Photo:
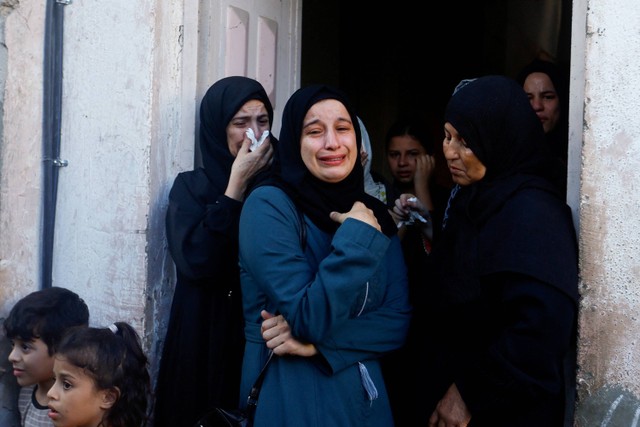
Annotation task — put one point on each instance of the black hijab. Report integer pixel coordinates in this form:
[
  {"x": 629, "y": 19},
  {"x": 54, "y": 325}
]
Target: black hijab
[
  {"x": 221, "y": 102},
  {"x": 494, "y": 117},
  {"x": 314, "y": 197}
]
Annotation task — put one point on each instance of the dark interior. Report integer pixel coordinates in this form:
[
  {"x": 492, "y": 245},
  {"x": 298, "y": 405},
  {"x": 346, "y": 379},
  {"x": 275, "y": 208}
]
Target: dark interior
[{"x": 405, "y": 58}]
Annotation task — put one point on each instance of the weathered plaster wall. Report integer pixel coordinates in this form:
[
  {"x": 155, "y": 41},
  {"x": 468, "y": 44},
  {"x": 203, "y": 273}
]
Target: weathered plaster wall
[
  {"x": 609, "y": 353},
  {"x": 122, "y": 121},
  {"x": 104, "y": 194},
  {"x": 21, "y": 30},
  {"x": 20, "y": 151}
]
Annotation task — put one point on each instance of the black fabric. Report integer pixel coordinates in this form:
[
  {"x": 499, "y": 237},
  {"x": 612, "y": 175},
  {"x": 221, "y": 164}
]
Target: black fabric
[
  {"x": 317, "y": 199},
  {"x": 204, "y": 344},
  {"x": 504, "y": 308}
]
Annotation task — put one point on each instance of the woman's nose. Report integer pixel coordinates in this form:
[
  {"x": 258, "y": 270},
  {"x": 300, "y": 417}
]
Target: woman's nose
[
  {"x": 536, "y": 103},
  {"x": 331, "y": 141},
  {"x": 449, "y": 151}
]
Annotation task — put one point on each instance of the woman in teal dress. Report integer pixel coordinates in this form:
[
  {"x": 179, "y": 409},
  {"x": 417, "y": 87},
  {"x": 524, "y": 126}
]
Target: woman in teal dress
[{"x": 324, "y": 256}]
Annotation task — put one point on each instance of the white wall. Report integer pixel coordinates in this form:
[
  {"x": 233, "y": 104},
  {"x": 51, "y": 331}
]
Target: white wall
[
  {"x": 122, "y": 130},
  {"x": 20, "y": 160},
  {"x": 609, "y": 201}
]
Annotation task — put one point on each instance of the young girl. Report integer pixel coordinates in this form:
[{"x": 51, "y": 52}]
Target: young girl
[{"x": 101, "y": 379}]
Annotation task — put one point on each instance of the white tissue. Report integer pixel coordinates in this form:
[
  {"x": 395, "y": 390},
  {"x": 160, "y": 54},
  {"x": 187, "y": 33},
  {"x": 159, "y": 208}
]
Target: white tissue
[
  {"x": 256, "y": 143},
  {"x": 413, "y": 216}
]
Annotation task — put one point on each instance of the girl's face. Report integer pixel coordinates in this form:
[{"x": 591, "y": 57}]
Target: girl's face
[
  {"x": 31, "y": 362},
  {"x": 74, "y": 400},
  {"x": 253, "y": 114},
  {"x": 464, "y": 166},
  {"x": 328, "y": 143},
  {"x": 402, "y": 154},
  {"x": 544, "y": 99}
]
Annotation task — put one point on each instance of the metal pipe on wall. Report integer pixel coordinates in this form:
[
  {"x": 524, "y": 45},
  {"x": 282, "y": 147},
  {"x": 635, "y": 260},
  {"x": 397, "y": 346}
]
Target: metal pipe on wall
[{"x": 51, "y": 129}]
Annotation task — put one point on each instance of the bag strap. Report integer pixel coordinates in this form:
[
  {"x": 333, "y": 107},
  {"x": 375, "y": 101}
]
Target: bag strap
[{"x": 252, "y": 400}]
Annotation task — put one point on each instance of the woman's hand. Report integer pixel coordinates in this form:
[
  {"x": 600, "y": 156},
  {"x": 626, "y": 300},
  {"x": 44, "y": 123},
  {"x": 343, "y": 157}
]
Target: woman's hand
[
  {"x": 246, "y": 165},
  {"x": 358, "y": 211},
  {"x": 425, "y": 168},
  {"x": 407, "y": 204},
  {"x": 277, "y": 335},
  {"x": 451, "y": 411}
]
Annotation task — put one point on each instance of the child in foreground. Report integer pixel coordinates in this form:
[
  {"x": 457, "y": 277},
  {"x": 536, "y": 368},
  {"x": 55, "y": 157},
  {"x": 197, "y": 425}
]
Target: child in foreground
[
  {"x": 35, "y": 325},
  {"x": 101, "y": 379}
]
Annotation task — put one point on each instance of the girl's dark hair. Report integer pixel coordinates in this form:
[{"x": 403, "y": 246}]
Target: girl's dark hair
[
  {"x": 414, "y": 129},
  {"x": 113, "y": 357}
]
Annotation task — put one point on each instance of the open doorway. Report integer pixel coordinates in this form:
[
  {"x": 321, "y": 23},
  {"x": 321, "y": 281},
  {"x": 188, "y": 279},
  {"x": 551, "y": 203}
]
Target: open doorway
[{"x": 397, "y": 60}]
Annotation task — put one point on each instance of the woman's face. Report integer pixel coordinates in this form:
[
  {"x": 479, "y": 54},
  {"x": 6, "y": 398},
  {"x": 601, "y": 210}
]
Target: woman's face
[
  {"x": 464, "y": 166},
  {"x": 253, "y": 114},
  {"x": 328, "y": 142},
  {"x": 544, "y": 99},
  {"x": 402, "y": 154}
]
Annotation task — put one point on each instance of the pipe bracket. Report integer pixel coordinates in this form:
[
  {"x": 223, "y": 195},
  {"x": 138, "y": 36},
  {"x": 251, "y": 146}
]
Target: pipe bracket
[
  {"x": 64, "y": 2},
  {"x": 61, "y": 163}
]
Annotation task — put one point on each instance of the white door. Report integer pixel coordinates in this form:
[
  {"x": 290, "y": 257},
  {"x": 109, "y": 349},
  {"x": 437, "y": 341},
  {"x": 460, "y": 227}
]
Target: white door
[{"x": 254, "y": 38}]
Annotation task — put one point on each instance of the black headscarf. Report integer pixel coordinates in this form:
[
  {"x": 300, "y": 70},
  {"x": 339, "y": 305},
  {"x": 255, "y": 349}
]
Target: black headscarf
[
  {"x": 221, "y": 102},
  {"x": 494, "y": 117},
  {"x": 314, "y": 197}
]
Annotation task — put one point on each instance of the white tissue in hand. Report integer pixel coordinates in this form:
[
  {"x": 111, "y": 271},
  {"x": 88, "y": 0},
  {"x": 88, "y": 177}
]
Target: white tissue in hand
[
  {"x": 413, "y": 216},
  {"x": 256, "y": 143}
]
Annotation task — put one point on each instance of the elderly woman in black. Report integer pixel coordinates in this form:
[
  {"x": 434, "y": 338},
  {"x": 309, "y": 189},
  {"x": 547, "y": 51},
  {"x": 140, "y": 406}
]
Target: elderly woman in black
[{"x": 506, "y": 300}]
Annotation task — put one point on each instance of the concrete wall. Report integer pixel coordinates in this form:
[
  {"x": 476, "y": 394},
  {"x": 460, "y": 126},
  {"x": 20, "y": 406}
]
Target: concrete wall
[
  {"x": 122, "y": 135},
  {"x": 609, "y": 348}
]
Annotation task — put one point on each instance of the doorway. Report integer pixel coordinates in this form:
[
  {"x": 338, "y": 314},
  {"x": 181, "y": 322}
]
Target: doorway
[{"x": 396, "y": 61}]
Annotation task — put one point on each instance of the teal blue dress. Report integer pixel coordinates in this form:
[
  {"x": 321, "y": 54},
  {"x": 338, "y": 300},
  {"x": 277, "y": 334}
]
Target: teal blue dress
[{"x": 344, "y": 292}]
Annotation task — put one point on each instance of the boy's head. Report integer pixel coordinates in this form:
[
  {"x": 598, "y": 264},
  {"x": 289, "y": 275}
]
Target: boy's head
[{"x": 35, "y": 325}]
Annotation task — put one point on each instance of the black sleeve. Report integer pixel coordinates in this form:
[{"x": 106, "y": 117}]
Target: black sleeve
[{"x": 202, "y": 228}]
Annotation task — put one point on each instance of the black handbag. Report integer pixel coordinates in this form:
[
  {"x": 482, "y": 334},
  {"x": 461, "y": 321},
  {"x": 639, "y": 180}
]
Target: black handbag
[
  {"x": 220, "y": 417},
  {"x": 225, "y": 418}
]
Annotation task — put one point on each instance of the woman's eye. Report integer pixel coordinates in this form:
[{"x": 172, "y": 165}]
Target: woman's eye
[{"x": 66, "y": 385}]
